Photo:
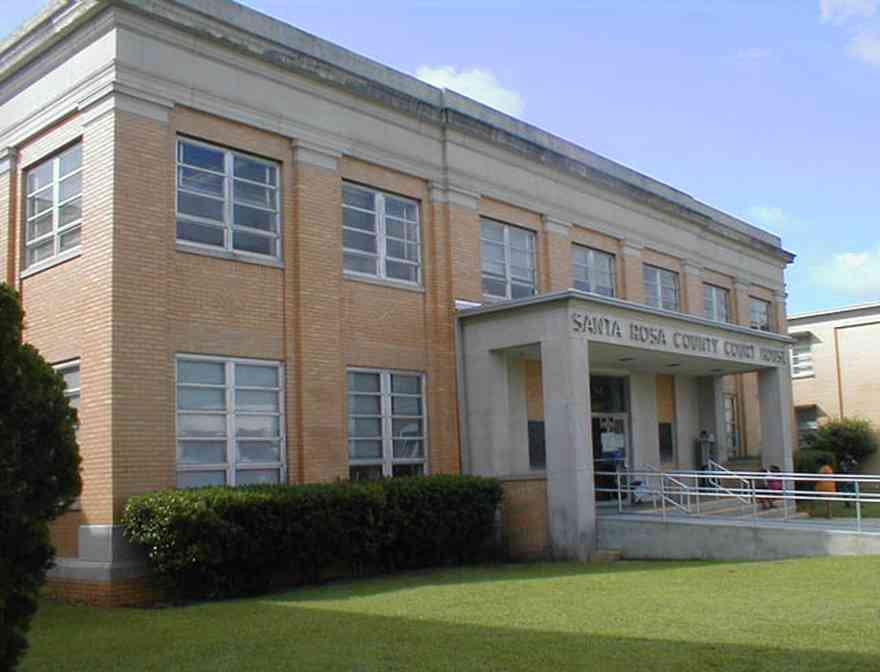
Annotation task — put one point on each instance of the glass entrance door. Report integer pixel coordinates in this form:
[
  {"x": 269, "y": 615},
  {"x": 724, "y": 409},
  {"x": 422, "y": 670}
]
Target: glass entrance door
[{"x": 610, "y": 449}]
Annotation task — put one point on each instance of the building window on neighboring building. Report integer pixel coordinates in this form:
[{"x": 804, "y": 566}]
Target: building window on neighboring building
[
  {"x": 507, "y": 256},
  {"x": 227, "y": 200},
  {"x": 731, "y": 424},
  {"x": 760, "y": 314},
  {"x": 802, "y": 357},
  {"x": 386, "y": 424},
  {"x": 593, "y": 270},
  {"x": 230, "y": 421},
  {"x": 807, "y": 419},
  {"x": 661, "y": 287},
  {"x": 716, "y": 303},
  {"x": 54, "y": 207},
  {"x": 380, "y": 234}
]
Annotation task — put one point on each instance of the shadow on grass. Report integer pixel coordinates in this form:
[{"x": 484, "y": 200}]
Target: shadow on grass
[
  {"x": 257, "y": 636},
  {"x": 475, "y": 574}
]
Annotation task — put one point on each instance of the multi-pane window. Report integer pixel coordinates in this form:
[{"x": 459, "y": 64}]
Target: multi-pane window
[
  {"x": 716, "y": 303},
  {"x": 760, "y": 314},
  {"x": 227, "y": 200},
  {"x": 386, "y": 424},
  {"x": 54, "y": 207},
  {"x": 230, "y": 422},
  {"x": 593, "y": 271},
  {"x": 802, "y": 357},
  {"x": 661, "y": 287},
  {"x": 70, "y": 372},
  {"x": 380, "y": 234},
  {"x": 731, "y": 424},
  {"x": 507, "y": 259}
]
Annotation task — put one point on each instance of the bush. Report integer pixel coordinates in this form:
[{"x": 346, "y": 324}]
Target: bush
[
  {"x": 39, "y": 473},
  {"x": 222, "y": 542},
  {"x": 808, "y": 461},
  {"x": 856, "y": 436}
]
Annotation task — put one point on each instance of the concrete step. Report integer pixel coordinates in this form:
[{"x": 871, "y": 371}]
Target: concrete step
[{"x": 606, "y": 555}]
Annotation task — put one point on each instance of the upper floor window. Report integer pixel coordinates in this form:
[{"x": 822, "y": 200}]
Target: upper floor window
[
  {"x": 386, "y": 424},
  {"x": 507, "y": 260},
  {"x": 802, "y": 357},
  {"x": 230, "y": 421},
  {"x": 760, "y": 314},
  {"x": 661, "y": 287},
  {"x": 227, "y": 200},
  {"x": 716, "y": 304},
  {"x": 593, "y": 270},
  {"x": 380, "y": 234},
  {"x": 54, "y": 207}
]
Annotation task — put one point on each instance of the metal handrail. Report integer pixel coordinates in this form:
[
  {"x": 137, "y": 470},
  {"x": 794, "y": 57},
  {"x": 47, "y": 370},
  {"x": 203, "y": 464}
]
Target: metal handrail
[
  {"x": 751, "y": 493},
  {"x": 719, "y": 467}
]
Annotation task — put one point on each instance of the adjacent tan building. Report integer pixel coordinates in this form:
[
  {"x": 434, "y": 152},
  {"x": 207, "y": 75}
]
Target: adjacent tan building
[
  {"x": 259, "y": 257},
  {"x": 835, "y": 367}
]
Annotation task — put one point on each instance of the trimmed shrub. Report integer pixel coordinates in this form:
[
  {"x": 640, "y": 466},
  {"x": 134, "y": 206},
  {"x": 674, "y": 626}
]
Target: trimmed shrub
[
  {"x": 808, "y": 461},
  {"x": 39, "y": 474},
  {"x": 222, "y": 542},
  {"x": 853, "y": 436}
]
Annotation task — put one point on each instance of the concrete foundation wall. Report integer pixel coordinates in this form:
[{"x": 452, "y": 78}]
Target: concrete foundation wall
[{"x": 641, "y": 539}]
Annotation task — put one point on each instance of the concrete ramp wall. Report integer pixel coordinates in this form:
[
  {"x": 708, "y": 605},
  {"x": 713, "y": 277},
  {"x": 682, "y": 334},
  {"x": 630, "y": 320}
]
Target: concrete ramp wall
[{"x": 649, "y": 538}]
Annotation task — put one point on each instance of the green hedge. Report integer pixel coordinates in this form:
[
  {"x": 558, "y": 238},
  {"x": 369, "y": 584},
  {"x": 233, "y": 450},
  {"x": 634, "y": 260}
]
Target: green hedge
[{"x": 221, "y": 542}]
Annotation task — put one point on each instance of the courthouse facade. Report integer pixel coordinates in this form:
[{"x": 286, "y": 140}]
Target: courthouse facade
[{"x": 258, "y": 257}]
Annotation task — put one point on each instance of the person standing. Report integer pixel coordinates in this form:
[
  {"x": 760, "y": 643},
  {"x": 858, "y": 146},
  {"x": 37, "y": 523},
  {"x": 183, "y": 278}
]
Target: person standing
[
  {"x": 827, "y": 488},
  {"x": 848, "y": 467}
]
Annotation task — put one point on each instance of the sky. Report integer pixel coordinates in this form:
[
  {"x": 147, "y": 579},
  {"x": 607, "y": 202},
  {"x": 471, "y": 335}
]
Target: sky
[{"x": 766, "y": 109}]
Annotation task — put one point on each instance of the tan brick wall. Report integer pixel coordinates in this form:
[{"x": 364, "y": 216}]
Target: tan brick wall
[
  {"x": 64, "y": 533},
  {"x": 7, "y": 225},
  {"x": 534, "y": 390},
  {"x": 124, "y": 593},
  {"x": 464, "y": 227},
  {"x": 631, "y": 279},
  {"x": 555, "y": 260},
  {"x": 525, "y": 527}
]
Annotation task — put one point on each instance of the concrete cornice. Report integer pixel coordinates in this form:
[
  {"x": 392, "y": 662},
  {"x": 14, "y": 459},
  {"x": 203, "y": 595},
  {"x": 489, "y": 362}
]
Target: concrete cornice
[
  {"x": 692, "y": 267},
  {"x": 455, "y": 195},
  {"x": 557, "y": 226},
  {"x": 116, "y": 97},
  {"x": 8, "y": 156},
  {"x": 316, "y": 154},
  {"x": 279, "y": 45}
]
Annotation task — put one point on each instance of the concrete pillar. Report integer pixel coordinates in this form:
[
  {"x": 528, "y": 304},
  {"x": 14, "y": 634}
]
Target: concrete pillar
[
  {"x": 556, "y": 246},
  {"x": 570, "y": 488},
  {"x": 774, "y": 392},
  {"x": 518, "y": 421},
  {"x": 645, "y": 443},
  {"x": 687, "y": 420},
  {"x": 711, "y": 413},
  {"x": 633, "y": 282},
  {"x": 488, "y": 413}
]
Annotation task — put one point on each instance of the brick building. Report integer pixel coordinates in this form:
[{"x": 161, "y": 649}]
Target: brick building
[
  {"x": 259, "y": 257},
  {"x": 835, "y": 367}
]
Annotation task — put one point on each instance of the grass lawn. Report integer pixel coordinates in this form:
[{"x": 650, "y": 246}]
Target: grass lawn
[{"x": 815, "y": 614}]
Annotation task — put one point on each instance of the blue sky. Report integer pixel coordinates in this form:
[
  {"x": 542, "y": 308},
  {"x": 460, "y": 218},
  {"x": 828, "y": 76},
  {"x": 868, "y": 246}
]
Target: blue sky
[{"x": 767, "y": 109}]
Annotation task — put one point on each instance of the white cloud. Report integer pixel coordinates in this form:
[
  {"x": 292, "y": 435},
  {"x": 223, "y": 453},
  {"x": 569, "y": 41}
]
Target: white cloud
[
  {"x": 855, "y": 273},
  {"x": 770, "y": 217},
  {"x": 866, "y": 47},
  {"x": 477, "y": 83},
  {"x": 840, "y": 11}
]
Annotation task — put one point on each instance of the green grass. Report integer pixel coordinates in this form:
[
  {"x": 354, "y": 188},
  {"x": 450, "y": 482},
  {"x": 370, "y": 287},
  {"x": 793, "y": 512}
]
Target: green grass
[{"x": 816, "y": 614}]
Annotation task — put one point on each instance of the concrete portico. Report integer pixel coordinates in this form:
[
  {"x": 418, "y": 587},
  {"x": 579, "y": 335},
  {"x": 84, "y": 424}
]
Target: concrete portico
[{"x": 579, "y": 338}]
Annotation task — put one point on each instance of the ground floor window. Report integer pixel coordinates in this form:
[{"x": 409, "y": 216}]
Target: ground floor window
[
  {"x": 230, "y": 421},
  {"x": 386, "y": 424},
  {"x": 731, "y": 424},
  {"x": 807, "y": 418}
]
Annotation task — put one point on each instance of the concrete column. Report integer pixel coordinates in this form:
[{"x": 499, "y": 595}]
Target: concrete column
[
  {"x": 570, "y": 489},
  {"x": 633, "y": 282},
  {"x": 7, "y": 215},
  {"x": 556, "y": 256},
  {"x": 774, "y": 392},
  {"x": 645, "y": 443},
  {"x": 518, "y": 422},
  {"x": 692, "y": 288},
  {"x": 687, "y": 420},
  {"x": 488, "y": 413},
  {"x": 711, "y": 413}
]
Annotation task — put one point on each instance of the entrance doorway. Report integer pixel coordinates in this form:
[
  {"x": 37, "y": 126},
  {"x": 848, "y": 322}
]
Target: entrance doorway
[{"x": 610, "y": 427}]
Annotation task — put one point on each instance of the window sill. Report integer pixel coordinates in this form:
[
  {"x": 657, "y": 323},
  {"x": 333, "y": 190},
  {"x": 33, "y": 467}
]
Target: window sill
[
  {"x": 383, "y": 282},
  {"x": 228, "y": 255},
  {"x": 801, "y": 376},
  {"x": 50, "y": 263}
]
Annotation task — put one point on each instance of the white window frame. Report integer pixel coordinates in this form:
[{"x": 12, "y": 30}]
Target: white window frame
[
  {"x": 382, "y": 236},
  {"x": 231, "y": 465},
  {"x": 70, "y": 393},
  {"x": 753, "y": 323},
  {"x": 657, "y": 300},
  {"x": 57, "y": 231},
  {"x": 711, "y": 295},
  {"x": 802, "y": 357},
  {"x": 229, "y": 227},
  {"x": 509, "y": 279},
  {"x": 388, "y": 461},
  {"x": 591, "y": 269}
]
